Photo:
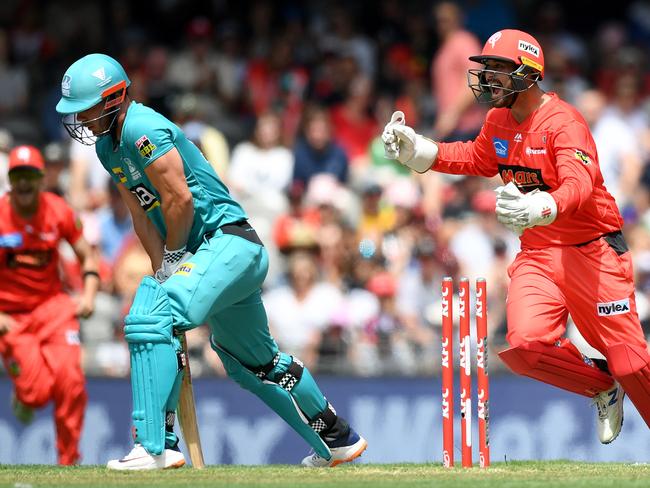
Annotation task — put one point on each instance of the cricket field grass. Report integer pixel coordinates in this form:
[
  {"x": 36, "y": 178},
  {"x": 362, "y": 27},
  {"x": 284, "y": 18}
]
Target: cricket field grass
[{"x": 501, "y": 475}]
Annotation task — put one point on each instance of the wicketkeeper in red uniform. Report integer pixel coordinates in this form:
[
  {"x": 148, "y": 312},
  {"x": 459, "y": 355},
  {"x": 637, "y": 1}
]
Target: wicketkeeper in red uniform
[
  {"x": 573, "y": 259},
  {"x": 39, "y": 330}
]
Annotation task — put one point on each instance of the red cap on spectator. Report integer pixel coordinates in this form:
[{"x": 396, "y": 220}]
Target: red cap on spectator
[
  {"x": 26, "y": 157},
  {"x": 484, "y": 201},
  {"x": 199, "y": 28},
  {"x": 382, "y": 284}
]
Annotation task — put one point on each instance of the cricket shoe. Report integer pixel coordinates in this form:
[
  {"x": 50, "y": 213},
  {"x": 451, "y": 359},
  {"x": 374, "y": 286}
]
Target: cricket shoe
[
  {"x": 23, "y": 413},
  {"x": 343, "y": 450},
  {"x": 609, "y": 404},
  {"x": 140, "y": 459}
]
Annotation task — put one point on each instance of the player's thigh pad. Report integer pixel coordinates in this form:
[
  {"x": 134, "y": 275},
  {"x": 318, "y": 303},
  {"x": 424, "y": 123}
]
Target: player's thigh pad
[
  {"x": 154, "y": 364},
  {"x": 225, "y": 270},
  {"x": 287, "y": 397},
  {"x": 559, "y": 364}
]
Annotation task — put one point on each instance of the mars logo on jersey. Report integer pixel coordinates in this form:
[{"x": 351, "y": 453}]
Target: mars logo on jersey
[
  {"x": 145, "y": 147},
  {"x": 526, "y": 179},
  {"x": 500, "y": 147}
]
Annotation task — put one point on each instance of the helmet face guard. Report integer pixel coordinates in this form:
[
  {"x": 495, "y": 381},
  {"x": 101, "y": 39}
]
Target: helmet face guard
[
  {"x": 79, "y": 131},
  {"x": 521, "y": 79}
]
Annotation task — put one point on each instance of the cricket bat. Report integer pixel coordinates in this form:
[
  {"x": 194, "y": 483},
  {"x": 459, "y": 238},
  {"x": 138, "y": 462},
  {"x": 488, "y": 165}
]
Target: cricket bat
[{"x": 187, "y": 412}]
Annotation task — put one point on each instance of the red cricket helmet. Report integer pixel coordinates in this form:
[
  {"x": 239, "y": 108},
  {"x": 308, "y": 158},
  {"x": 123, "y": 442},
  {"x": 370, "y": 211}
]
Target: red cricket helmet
[
  {"x": 515, "y": 46},
  {"x": 512, "y": 46},
  {"x": 26, "y": 157}
]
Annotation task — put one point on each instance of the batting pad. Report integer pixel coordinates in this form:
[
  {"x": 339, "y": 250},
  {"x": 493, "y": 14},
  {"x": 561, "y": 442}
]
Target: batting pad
[
  {"x": 630, "y": 365},
  {"x": 558, "y": 365},
  {"x": 154, "y": 366},
  {"x": 287, "y": 404}
]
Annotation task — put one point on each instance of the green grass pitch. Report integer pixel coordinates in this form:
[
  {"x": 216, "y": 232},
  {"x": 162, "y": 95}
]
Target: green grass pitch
[{"x": 501, "y": 475}]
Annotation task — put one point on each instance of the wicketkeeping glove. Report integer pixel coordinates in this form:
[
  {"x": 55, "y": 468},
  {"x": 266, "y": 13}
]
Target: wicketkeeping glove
[
  {"x": 403, "y": 144},
  {"x": 171, "y": 261},
  {"x": 519, "y": 211}
]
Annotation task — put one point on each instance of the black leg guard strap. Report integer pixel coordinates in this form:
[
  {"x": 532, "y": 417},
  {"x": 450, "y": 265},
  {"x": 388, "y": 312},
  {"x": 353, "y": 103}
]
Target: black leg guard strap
[
  {"x": 324, "y": 421},
  {"x": 292, "y": 376},
  {"x": 262, "y": 371}
]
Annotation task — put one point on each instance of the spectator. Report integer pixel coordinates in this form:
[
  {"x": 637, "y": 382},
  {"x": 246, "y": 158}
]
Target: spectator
[
  {"x": 300, "y": 310},
  {"x": 354, "y": 127},
  {"x": 259, "y": 174},
  {"x": 618, "y": 152},
  {"x": 458, "y": 117},
  {"x": 315, "y": 152}
]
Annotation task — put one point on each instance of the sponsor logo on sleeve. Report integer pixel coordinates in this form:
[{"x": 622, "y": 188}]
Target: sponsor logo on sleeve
[
  {"x": 582, "y": 157},
  {"x": 618, "y": 307},
  {"x": 500, "y": 147},
  {"x": 135, "y": 173},
  {"x": 145, "y": 147},
  {"x": 119, "y": 172},
  {"x": 148, "y": 201}
]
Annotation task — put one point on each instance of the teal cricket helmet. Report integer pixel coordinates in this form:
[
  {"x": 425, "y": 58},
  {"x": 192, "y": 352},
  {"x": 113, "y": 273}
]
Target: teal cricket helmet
[{"x": 87, "y": 82}]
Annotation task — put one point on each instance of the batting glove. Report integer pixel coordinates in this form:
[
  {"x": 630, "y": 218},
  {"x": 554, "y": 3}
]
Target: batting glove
[
  {"x": 519, "y": 211},
  {"x": 403, "y": 144},
  {"x": 170, "y": 263}
]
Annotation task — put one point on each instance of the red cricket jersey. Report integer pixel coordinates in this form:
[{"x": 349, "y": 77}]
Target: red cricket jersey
[
  {"x": 29, "y": 256},
  {"x": 551, "y": 150}
]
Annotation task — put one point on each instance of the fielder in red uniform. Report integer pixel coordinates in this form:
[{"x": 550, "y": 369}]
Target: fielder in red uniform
[
  {"x": 574, "y": 259},
  {"x": 39, "y": 330}
]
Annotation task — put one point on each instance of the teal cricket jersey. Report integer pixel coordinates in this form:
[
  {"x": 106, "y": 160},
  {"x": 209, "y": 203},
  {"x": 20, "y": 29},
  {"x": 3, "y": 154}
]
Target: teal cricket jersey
[{"x": 147, "y": 135}]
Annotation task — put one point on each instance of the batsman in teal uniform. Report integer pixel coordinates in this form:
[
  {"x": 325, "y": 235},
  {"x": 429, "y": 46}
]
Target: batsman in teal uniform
[{"x": 209, "y": 265}]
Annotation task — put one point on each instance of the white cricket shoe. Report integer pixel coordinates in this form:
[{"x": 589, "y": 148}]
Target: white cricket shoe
[
  {"x": 609, "y": 404},
  {"x": 139, "y": 459},
  {"x": 353, "y": 447}
]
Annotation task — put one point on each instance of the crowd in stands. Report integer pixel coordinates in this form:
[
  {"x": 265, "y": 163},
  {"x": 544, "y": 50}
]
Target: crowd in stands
[{"x": 287, "y": 101}]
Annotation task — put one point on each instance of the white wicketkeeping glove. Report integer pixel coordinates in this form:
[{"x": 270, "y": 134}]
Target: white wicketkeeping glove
[
  {"x": 519, "y": 211},
  {"x": 170, "y": 263},
  {"x": 411, "y": 149}
]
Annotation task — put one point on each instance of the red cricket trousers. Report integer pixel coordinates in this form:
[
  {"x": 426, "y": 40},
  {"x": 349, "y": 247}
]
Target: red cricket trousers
[
  {"x": 42, "y": 355},
  {"x": 591, "y": 282}
]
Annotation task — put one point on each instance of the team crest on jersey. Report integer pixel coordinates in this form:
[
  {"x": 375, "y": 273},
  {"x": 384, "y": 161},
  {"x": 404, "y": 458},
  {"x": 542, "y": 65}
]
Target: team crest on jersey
[
  {"x": 582, "y": 157},
  {"x": 145, "y": 147},
  {"x": 500, "y": 147},
  {"x": 119, "y": 172}
]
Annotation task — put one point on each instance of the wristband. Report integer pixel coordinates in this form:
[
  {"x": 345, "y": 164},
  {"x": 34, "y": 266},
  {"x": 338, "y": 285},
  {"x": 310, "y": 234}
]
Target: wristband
[{"x": 90, "y": 273}]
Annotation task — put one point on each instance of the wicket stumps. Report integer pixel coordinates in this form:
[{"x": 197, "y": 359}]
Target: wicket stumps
[{"x": 465, "y": 372}]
